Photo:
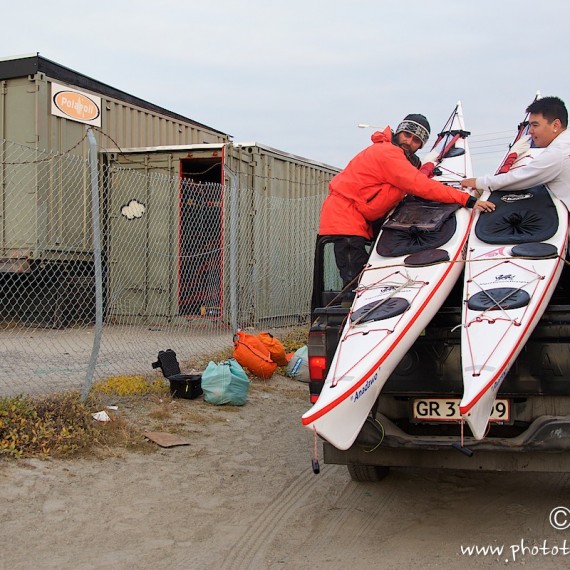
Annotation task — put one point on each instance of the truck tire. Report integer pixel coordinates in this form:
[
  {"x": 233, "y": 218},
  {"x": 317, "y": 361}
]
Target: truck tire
[{"x": 365, "y": 473}]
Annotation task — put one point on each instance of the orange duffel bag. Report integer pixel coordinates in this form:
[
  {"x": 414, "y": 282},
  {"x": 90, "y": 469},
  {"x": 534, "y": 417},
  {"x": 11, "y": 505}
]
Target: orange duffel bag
[
  {"x": 276, "y": 349},
  {"x": 251, "y": 353}
]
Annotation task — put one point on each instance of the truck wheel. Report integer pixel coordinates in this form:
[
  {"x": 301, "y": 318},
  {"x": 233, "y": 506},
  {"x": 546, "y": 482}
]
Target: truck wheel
[{"x": 367, "y": 472}]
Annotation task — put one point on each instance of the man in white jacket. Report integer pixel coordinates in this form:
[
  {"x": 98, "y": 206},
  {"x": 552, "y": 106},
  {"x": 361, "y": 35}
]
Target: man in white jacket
[{"x": 548, "y": 121}]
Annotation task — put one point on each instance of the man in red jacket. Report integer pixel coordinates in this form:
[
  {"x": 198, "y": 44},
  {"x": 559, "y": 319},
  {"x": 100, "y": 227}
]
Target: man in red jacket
[{"x": 373, "y": 183}]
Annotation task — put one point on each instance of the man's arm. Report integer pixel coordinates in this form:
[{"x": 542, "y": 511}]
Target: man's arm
[{"x": 541, "y": 170}]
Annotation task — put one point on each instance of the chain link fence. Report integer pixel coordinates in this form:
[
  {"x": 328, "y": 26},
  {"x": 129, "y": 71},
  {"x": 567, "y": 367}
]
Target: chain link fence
[{"x": 160, "y": 262}]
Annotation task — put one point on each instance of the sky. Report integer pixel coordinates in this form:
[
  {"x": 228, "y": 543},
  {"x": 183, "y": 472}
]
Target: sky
[{"x": 300, "y": 75}]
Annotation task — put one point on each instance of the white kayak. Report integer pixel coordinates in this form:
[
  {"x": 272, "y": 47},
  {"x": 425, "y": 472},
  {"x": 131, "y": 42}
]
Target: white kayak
[
  {"x": 514, "y": 260},
  {"x": 413, "y": 266}
]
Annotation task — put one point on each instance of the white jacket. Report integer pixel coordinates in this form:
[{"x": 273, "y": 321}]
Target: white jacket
[{"x": 551, "y": 167}]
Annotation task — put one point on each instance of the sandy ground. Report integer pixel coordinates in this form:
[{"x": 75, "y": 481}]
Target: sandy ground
[{"x": 243, "y": 495}]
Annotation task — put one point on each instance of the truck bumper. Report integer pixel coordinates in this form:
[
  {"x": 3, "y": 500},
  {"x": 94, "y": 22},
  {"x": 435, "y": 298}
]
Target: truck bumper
[{"x": 544, "y": 446}]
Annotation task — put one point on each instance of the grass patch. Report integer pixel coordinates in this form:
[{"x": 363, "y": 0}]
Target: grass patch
[
  {"x": 56, "y": 425},
  {"x": 129, "y": 386},
  {"x": 62, "y": 424}
]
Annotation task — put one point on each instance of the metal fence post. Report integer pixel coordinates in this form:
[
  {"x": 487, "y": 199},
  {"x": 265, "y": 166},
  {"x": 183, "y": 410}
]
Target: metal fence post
[
  {"x": 233, "y": 215},
  {"x": 94, "y": 178}
]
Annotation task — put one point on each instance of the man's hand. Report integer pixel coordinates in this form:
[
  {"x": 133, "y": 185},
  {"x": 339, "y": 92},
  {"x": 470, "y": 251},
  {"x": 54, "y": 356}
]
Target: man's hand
[
  {"x": 484, "y": 206},
  {"x": 469, "y": 183}
]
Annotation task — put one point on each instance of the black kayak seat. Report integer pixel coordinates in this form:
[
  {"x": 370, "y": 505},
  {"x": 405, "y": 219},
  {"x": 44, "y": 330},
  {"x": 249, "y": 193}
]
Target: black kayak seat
[
  {"x": 538, "y": 250},
  {"x": 498, "y": 298},
  {"x": 520, "y": 217},
  {"x": 378, "y": 311},
  {"x": 428, "y": 257}
]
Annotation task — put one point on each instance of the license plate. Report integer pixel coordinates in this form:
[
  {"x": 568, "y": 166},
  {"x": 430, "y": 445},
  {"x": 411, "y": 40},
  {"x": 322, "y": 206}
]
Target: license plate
[{"x": 447, "y": 410}]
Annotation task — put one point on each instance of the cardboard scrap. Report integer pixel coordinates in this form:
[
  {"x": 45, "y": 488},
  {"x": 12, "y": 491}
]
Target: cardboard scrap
[
  {"x": 101, "y": 417},
  {"x": 166, "y": 439}
]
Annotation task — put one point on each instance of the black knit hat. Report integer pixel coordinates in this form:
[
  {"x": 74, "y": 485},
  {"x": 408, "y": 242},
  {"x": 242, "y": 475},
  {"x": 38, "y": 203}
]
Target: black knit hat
[{"x": 416, "y": 125}]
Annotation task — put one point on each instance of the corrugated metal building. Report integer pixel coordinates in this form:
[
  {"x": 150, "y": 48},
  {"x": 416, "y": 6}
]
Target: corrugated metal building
[
  {"x": 45, "y": 200},
  {"x": 245, "y": 241}
]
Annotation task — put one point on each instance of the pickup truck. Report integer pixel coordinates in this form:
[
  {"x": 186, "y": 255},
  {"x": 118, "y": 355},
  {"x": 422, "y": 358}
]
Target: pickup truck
[{"x": 415, "y": 421}]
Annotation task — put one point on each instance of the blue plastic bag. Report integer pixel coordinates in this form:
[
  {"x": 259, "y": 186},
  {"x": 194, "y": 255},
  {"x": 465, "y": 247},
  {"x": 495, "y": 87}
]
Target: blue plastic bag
[
  {"x": 225, "y": 383},
  {"x": 298, "y": 366}
]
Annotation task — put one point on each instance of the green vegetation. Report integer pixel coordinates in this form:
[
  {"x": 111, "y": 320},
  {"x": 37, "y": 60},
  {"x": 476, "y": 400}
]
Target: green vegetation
[
  {"x": 56, "y": 425},
  {"x": 129, "y": 386}
]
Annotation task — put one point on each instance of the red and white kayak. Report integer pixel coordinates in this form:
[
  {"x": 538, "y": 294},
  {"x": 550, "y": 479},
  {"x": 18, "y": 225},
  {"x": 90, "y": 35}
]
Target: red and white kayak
[
  {"x": 413, "y": 266},
  {"x": 514, "y": 260}
]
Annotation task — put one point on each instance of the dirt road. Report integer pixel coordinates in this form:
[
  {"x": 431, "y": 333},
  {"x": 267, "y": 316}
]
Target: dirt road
[{"x": 243, "y": 495}]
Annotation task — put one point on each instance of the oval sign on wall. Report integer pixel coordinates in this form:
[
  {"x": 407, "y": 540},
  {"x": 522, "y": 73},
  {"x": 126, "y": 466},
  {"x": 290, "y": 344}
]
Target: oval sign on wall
[{"x": 75, "y": 105}]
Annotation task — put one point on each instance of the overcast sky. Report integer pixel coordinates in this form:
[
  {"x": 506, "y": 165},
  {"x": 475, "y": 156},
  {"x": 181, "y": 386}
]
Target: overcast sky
[{"x": 299, "y": 75}]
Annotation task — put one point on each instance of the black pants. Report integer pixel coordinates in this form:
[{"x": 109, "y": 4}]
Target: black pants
[{"x": 350, "y": 256}]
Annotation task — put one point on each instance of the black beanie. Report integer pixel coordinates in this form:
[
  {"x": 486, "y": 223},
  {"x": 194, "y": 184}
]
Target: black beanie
[{"x": 417, "y": 125}]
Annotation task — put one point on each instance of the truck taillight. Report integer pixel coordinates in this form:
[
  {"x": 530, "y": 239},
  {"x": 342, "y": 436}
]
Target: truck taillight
[
  {"x": 317, "y": 367},
  {"x": 317, "y": 363}
]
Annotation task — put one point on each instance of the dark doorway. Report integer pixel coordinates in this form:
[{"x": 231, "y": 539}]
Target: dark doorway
[{"x": 201, "y": 238}]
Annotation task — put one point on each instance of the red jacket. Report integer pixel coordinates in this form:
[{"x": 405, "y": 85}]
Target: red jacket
[{"x": 373, "y": 182}]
